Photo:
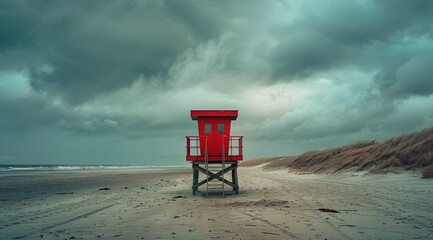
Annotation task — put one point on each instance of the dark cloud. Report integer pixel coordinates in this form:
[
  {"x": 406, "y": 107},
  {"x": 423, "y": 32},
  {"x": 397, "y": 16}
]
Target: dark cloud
[
  {"x": 305, "y": 53},
  {"x": 413, "y": 78},
  {"x": 84, "y": 48},
  {"x": 360, "y": 22},
  {"x": 329, "y": 36},
  {"x": 25, "y": 114},
  {"x": 203, "y": 19},
  {"x": 78, "y": 50}
]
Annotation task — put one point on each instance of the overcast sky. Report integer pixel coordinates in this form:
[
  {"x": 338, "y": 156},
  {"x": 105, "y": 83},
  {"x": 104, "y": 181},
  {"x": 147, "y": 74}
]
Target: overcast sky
[{"x": 112, "y": 82}]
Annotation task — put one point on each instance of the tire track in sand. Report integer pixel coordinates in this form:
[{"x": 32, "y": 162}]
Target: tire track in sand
[
  {"x": 78, "y": 217},
  {"x": 267, "y": 222}
]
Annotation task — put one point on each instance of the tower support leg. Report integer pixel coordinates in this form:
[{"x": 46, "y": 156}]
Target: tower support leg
[
  {"x": 194, "y": 180},
  {"x": 235, "y": 178}
]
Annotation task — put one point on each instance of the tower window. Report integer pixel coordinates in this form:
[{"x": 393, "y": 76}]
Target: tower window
[
  {"x": 207, "y": 128},
  {"x": 220, "y": 127}
]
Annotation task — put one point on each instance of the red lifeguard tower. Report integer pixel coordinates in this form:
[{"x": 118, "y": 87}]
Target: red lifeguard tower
[{"x": 214, "y": 149}]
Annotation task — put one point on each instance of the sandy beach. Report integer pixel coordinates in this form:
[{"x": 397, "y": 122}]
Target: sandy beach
[{"x": 158, "y": 204}]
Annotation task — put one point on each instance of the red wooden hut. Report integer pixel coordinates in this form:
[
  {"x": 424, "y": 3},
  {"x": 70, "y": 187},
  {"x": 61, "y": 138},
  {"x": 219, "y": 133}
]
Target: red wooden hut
[{"x": 214, "y": 151}]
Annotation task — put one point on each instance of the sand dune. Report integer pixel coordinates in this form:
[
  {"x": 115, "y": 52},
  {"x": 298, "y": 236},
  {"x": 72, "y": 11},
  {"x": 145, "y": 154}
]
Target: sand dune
[
  {"x": 271, "y": 205},
  {"x": 406, "y": 152}
]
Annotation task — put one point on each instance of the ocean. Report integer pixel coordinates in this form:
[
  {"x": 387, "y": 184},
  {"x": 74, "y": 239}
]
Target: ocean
[{"x": 17, "y": 170}]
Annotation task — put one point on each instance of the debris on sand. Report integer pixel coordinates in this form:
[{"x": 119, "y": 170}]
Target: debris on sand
[
  {"x": 19, "y": 237},
  {"x": 179, "y": 196},
  {"x": 328, "y": 210},
  {"x": 104, "y": 189}
]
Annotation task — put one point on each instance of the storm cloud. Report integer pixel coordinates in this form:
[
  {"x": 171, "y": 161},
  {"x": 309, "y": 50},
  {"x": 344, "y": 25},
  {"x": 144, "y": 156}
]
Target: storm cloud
[{"x": 115, "y": 80}]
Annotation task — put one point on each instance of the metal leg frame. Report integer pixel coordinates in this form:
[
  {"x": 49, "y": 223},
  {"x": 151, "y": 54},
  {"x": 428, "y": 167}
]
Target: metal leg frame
[
  {"x": 235, "y": 180},
  {"x": 195, "y": 173},
  {"x": 194, "y": 180}
]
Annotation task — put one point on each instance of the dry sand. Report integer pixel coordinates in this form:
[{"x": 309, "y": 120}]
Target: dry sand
[{"x": 157, "y": 204}]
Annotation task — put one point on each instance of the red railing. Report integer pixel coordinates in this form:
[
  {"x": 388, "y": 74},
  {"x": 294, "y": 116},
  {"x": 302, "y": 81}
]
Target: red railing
[{"x": 197, "y": 147}]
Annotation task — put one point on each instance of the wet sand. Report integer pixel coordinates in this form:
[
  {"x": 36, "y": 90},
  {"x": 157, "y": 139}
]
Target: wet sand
[{"x": 157, "y": 204}]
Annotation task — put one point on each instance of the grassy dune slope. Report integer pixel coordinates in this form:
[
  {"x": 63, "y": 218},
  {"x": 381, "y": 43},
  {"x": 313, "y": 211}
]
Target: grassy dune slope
[{"x": 410, "y": 151}]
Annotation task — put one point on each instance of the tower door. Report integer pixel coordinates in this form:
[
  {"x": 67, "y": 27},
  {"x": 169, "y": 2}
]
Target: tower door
[{"x": 216, "y": 131}]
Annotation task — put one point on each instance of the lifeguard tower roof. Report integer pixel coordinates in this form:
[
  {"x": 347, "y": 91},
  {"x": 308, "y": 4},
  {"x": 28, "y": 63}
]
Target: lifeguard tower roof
[{"x": 233, "y": 114}]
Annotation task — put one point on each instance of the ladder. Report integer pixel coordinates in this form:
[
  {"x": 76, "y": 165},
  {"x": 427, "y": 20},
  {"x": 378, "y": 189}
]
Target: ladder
[{"x": 215, "y": 168}]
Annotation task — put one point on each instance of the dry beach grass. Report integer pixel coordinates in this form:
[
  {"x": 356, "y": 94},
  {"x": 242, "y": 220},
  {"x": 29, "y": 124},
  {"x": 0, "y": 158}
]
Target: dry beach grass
[{"x": 406, "y": 152}]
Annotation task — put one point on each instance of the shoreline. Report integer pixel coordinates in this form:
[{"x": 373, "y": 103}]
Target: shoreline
[{"x": 88, "y": 169}]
